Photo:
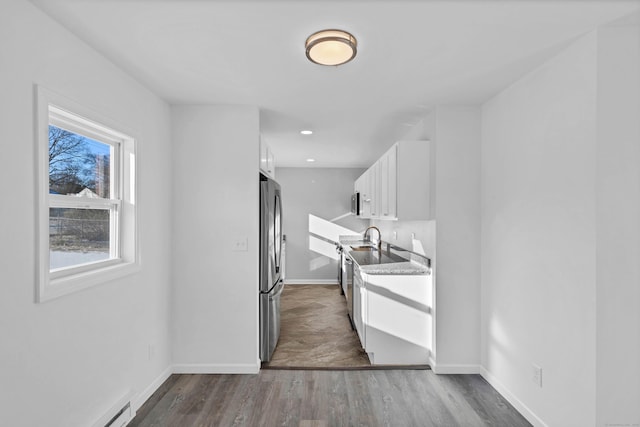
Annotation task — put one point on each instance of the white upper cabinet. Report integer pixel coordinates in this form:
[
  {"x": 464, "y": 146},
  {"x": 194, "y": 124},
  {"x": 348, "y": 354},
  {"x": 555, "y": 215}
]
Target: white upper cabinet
[
  {"x": 358, "y": 187},
  {"x": 388, "y": 181},
  {"x": 363, "y": 186},
  {"x": 267, "y": 161},
  {"x": 374, "y": 189},
  {"x": 413, "y": 174},
  {"x": 397, "y": 186}
]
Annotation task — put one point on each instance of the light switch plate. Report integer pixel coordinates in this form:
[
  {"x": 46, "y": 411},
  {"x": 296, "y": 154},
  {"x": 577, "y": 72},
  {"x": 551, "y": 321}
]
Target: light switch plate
[
  {"x": 240, "y": 244},
  {"x": 536, "y": 375}
]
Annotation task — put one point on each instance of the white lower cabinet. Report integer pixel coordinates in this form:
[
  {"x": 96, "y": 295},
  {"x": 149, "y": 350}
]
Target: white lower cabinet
[
  {"x": 359, "y": 302},
  {"x": 394, "y": 317}
]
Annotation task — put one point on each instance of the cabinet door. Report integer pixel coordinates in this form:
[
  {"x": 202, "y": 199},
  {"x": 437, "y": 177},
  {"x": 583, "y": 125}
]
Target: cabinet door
[
  {"x": 391, "y": 185},
  {"x": 374, "y": 186},
  {"x": 413, "y": 188},
  {"x": 398, "y": 329},
  {"x": 384, "y": 186},
  {"x": 271, "y": 163},
  {"x": 387, "y": 182},
  {"x": 365, "y": 195},
  {"x": 267, "y": 161},
  {"x": 263, "y": 157},
  {"x": 358, "y": 299},
  {"x": 358, "y": 188}
]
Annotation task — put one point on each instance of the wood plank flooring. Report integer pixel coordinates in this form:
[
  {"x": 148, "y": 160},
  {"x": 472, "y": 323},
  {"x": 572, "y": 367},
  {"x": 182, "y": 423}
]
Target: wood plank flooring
[
  {"x": 313, "y": 398},
  {"x": 315, "y": 331}
]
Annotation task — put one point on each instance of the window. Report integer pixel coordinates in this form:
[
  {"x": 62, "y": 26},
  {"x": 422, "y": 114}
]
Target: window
[{"x": 86, "y": 206}]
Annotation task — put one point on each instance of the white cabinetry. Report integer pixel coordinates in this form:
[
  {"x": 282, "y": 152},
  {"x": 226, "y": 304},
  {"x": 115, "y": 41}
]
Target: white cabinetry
[
  {"x": 388, "y": 183},
  {"x": 397, "y": 186},
  {"x": 363, "y": 186},
  {"x": 267, "y": 161},
  {"x": 413, "y": 185},
  {"x": 359, "y": 304},
  {"x": 399, "y": 319},
  {"x": 393, "y": 317},
  {"x": 374, "y": 189}
]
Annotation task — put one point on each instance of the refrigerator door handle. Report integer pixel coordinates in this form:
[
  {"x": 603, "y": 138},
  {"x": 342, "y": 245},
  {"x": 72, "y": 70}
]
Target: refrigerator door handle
[
  {"x": 274, "y": 288},
  {"x": 277, "y": 232},
  {"x": 280, "y": 284}
]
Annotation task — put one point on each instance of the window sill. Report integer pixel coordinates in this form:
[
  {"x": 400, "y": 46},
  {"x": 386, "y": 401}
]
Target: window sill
[{"x": 52, "y": 288}]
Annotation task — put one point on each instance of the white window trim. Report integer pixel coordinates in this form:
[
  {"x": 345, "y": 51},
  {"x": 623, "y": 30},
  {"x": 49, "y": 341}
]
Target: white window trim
[{"x": 54, "y": 284}]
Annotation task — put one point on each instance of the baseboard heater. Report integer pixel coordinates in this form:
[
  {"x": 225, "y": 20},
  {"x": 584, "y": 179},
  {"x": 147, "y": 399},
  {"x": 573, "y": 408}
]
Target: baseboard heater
[
  {"x": 122, "y": 418},
  {"x": 119, "y": 415}
]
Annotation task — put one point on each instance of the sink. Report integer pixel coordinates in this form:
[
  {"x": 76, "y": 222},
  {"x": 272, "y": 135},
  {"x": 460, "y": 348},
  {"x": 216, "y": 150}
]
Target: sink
[
  {"x": 364, "y": 248},
  {"x": 369, "y": 255}
]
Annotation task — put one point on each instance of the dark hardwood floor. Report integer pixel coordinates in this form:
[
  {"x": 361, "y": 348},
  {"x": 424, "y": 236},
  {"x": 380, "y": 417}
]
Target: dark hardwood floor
[
  {"x": 316, "y": 334},
  {"x": 328, "y": 398},
  {"x": 315, "y": 331}
]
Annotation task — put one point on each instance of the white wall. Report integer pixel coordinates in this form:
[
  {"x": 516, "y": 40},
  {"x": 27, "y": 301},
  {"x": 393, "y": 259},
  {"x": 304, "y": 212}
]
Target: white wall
[
  {"x": 457, "y": 213},
  {"x": 452, "y": 239},
  {"x": 538, "y": 237},
  {"x": 325, "y": 193},
  {"x": 216, "y": 203},
  {"x": 618, "y": 227},
  {"x": 66, "y": 361},
  {"x": 424, "y": 232},
  {"x": 560, "y": 234}
]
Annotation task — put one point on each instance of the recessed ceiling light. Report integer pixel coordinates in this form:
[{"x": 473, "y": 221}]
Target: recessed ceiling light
[
  {"x": 306, "y": 132},
  {"x": 311, "y": 160},
  {"x": 331, "y": 47}
]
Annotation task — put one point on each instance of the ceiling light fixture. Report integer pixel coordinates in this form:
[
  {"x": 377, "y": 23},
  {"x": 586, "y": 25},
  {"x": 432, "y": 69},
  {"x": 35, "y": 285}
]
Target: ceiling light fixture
[
  {"x": 306, "y": 132},
  {"x": 311, "y": 160},
  {"x": 331, "y": 47}
]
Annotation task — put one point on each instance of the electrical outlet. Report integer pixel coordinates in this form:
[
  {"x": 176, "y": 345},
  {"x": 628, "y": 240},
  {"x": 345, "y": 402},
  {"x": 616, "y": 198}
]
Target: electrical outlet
[
  {"x": 240, "y": 244},
  {"x": 395, "y": 235},
  {"x": 536, "y": 375}
]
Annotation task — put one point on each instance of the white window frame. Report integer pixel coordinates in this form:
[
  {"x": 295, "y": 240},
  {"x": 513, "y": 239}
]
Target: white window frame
[{"x": 59, "y": 111}]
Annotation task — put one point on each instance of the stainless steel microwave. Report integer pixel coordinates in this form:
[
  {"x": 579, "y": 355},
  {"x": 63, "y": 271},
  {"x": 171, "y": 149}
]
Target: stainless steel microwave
[{"x": 355, "y": 204}]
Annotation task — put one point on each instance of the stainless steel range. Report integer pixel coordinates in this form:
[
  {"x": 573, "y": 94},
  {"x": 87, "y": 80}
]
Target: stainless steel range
[{"x": 345, "y": 278}]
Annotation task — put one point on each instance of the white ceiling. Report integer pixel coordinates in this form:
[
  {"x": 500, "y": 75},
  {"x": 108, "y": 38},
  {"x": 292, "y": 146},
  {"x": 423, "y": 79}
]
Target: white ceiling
[{"x": 412, "y": 55}]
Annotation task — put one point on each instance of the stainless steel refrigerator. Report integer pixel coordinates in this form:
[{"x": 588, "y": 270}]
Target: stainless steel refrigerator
[{"x": 271, "y": 265}]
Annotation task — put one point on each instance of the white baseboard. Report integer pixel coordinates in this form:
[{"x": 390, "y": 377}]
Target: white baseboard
[
  {"x": 143, "y": 396},
  {"x": 439, "y": 368},
  {"x": 202, "y": 368},
  {"x": 431, "y": 361},
  {"x": 310, "y": 282},
  {"x": 511, "y": 398}
]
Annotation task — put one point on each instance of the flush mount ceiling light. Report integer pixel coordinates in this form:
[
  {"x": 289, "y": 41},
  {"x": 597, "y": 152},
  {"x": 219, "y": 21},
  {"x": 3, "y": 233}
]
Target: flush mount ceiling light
[
  {"x": 331, "y": 47},
  {"x": 306, "y": 132}
]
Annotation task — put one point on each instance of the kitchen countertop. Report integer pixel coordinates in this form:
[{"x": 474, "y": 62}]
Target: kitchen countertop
[{"x": 391, "y": 261}]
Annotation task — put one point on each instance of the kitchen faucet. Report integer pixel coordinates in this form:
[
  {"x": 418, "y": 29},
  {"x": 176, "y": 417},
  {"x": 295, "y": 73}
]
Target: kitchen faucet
[{"x": 379, "y": 236}]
